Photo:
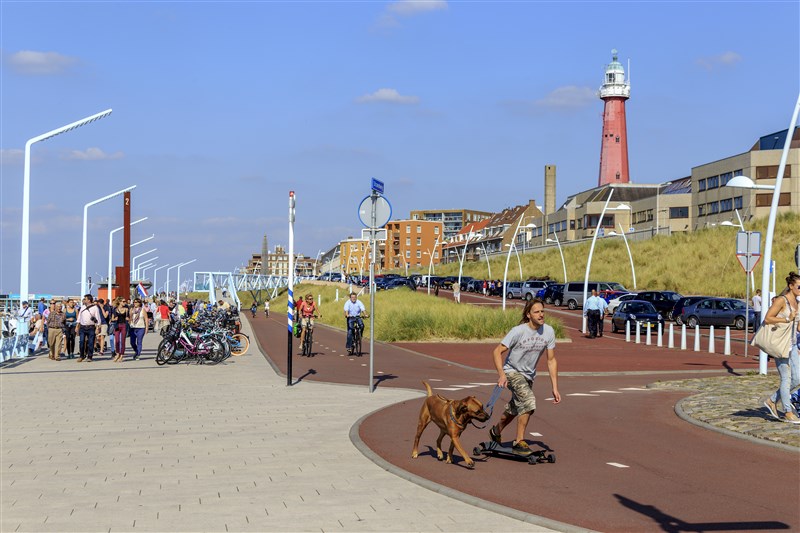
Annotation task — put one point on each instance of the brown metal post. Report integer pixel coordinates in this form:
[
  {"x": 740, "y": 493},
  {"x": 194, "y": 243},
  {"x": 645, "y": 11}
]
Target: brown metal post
[{"x": 123, "y": 283}]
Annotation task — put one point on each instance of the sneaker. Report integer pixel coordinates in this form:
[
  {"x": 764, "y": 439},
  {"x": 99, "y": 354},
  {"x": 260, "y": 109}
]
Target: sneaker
[
  {"x": 770, "y": 405},
  {"x": 791, "y": 418},
  {"x": 495, "y": 435},
  {"x": 522, "y": 448}
]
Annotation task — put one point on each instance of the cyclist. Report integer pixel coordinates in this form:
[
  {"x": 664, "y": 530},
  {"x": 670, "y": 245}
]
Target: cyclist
[
  {"x": 253, "y": 309},
  {"x": 266, "y": 308},
  {"x": 307, "y": 310},
  {"x": 353, "y": 311}
]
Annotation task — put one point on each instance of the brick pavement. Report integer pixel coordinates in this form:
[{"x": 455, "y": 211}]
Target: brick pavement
[{"x": 133, "y": 446}]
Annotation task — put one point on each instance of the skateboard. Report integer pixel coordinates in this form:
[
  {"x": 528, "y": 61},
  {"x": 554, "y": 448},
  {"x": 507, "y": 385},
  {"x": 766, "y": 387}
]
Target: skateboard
[{"x": 500, "y": 450}]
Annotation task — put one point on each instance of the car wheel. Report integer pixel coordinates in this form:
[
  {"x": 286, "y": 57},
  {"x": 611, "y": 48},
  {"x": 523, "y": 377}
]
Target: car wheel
[
  {"x": 614, "y": 328},
  {"x": 529, "y": 297},
  {"x": 557, "y": 302},
  {"x": 510, "y": 296},
  {"x": 548, "y": 300},
  {"x": 738, "y": 323},
  {"x": 572, "y": 304},
  {"x": 679, "y": 320},
  {"x": 612, "y": 310},
  {"x": 692, "y": 322}
]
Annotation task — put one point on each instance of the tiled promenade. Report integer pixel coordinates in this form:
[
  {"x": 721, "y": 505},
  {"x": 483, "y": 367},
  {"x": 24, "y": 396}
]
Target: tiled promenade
[{"x": 137, "y": 447}]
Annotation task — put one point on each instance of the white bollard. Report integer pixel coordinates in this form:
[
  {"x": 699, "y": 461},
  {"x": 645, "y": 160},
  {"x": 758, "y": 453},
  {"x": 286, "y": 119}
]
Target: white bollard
[
  {"x": 638, "y": 333},
  {"x": 671, "y": 341},
  {"x": 649, "y": 337},
  {"x": 697, "y": 338},
  {"x": 337, "y": 294},
  {"x": 683, "y": 336},
  {"x": 711, "y": 339},
  {"x": 627, "y": 331},
  {"x": 660, "y": 339},
  {"x": 727, "y": 350},
  {"x": 319, "y": 300}
]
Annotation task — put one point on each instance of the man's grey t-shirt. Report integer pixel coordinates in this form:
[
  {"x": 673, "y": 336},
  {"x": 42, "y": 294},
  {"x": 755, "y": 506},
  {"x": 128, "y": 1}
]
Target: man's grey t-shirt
[{"x": 525, "y": 347}]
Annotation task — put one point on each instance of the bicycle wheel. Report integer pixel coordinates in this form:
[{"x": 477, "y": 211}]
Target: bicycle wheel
[
  {"x": 217, "y": 354},
  {"x": 239, "y": 344},
  {"x": 357, "y": 344},
  {"x": 165, "y": 352}
]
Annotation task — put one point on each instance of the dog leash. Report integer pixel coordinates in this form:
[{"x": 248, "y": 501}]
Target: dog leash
[{"x": 489, "y": 407}]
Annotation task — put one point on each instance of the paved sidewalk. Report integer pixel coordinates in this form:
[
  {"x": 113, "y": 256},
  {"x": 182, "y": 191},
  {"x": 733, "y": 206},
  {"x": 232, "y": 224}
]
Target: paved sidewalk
[{"x": 134, "y": 446}]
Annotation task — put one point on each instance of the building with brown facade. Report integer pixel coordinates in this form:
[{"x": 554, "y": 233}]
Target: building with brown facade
[
  {"x": 411, "y": 243},
  {"x": 453, "y": 220}
]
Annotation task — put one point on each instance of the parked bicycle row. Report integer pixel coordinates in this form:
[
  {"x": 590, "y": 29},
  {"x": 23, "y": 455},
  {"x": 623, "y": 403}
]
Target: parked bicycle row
[{"x": 205, "y": 337}]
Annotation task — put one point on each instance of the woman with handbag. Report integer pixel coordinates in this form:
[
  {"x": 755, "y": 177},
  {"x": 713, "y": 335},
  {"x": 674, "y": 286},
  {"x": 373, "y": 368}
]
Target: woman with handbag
[{"x": 779, "y": 334}]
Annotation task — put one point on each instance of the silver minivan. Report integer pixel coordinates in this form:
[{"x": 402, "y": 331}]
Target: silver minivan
[
  {"x": 573, "y": 291},
  {"x": 531, "y": 288},
  {"x": 514, "y": 289}
]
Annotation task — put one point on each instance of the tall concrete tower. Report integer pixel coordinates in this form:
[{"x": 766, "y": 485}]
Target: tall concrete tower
[
  {"x": 614, "y": 148},
  {"x": 264, "y": 252}
]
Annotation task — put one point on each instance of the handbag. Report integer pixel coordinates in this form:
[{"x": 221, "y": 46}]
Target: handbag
[{"x": 775, "y": 339}]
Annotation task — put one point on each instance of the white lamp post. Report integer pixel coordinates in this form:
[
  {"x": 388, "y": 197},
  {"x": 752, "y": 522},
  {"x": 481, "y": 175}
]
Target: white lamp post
[
  {"x": 563, "y": 264},
  {"x": 137, "y": 243},
  {"x": 488, "y": 266},
  {"x": 85, "y": 226},
  {"x": 166, "y": 285},
  {"x": 26, "y": 198},
  {"x": 178, "y": 284},
  {"x": 133, "y": 261},
  {"x": 463, "y": 258},
  {"x": 430, "y": 263},
  {"x": 155, "y": 277},
  {"x": 508, "y": 257},
  {"x": 630, "y": 256},
  {"x": 773, "y": 213},
  {"x": 658, "y": 211},
  {"x": 150, "y": 261},
  {"x": 110, "y": 248},
  {"x": 144, "y": 268}
]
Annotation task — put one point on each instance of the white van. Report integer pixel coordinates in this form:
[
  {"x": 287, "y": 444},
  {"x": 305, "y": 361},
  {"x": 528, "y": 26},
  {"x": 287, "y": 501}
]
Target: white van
[{"x": 573, "y": 291}]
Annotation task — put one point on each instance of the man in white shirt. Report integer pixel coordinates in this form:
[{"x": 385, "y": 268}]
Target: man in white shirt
[{"x": 87, "y": 328}]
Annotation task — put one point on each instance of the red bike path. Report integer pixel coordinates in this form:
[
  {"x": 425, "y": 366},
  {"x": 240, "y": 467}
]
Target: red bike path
[{"x": 625, "y": 461}]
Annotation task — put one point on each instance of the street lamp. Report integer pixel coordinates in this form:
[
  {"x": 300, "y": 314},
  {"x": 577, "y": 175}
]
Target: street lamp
[
  {"x": 462, "y": 258},
  {"x": 624, "y": 238},
  {"x": 110, "y": 248},
  {"x": 85, "y": 226},
  {"x": 430, "y": 263},
  {"x": 658, "y": 211},
  {"x": 133, "y": 261},
  {"x": 137, "y": 243},
  {"x": 508, "y": 257},
  {"x": 155, "y": 277},
  {"x": 146, "y": 267},
  {"x": 178, "y": 284},
  {"x": 488, "y": 266},
  {"x": 148, "y": 263},
  {"x": 563, "y": 264},
  {"x": 26, "y": 198},
  {"x": 747, "y": 183}
]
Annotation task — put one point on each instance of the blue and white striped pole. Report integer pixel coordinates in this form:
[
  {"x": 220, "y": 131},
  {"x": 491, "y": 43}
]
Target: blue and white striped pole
[{"x": 290, "y": 291}]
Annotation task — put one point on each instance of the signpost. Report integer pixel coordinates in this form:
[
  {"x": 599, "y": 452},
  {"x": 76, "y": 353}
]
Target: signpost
[
  {"x": 748, "y": 252},
  {"x": 374, "y": 211},
  {"x": 290, "y": 289}
]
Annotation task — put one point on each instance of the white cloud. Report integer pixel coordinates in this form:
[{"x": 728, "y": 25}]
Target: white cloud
[
  {"x": 93, "y": 154},
  {"x": 389, "y": 96},
  {"x": 407, "y": 8},
  {"x": 40, "y": 63},
  {"x": 9, "y": 156},
  {"x": 725, "y": 59},
  {"x": 568, "y": 97}
]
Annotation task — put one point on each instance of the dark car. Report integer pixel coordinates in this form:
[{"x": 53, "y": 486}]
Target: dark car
[
  {"x": 681, "y": 303},
  {"x": 447, "y": 282},
  {"x": 554, "y": 294},
  {"x": 717, "y": 312},
  {"x": 464, "y": 281},
  {"x": 663, "y": 301},
  {"x": 634, "y": 311},
  {"x": 475, "y": 285},
  {"x": 396, "y": 283}
]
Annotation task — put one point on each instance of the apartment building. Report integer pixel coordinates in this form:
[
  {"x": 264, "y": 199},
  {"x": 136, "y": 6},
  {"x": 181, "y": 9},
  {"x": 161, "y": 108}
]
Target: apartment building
[
  {"x": 453, "y": 220},
  {"x": 411, "y": 242},
  {"x": 355, "y": 256}
]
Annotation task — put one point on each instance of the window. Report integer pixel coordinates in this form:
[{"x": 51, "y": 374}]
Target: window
[
  {"x": 738, "y": 172},
  {"x": 713, "y": 207},
  {"x": 408, "y": 228},
  {"x": 679, "y": 212},
  {"x": 408, "y": 254},
  {"x": 419, "y": 241},
  {"x": 649, "y": 215},
  {"x": 726, "y": 205},
  {"x": 419, "y": 229},
  {"x": 408, "y": 241},
  {"x": 550, "y": 228},
  {"x": 419, "y": 254},
  {"x": 725, "y": 178},
  {"x": 701, "y": 210},
  {"x": 737, "y": 202},
  {"x": 765, "y": 200},
  {"x": 771, "y": 172},
  {"x": 713, "y": 182},
  {"x": 572, "y": 224},
  {"x": 701, "y": 185},
  {"x": 436, "y": 230}
]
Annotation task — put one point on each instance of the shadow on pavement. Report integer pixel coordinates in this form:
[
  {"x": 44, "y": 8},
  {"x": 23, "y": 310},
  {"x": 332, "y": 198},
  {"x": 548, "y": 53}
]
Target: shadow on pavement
[{"x": 380, "y": 379}]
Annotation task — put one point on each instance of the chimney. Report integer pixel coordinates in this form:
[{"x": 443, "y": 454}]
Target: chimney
[
  {"x": 549, "y": 189},
  {"x": 264, "y": 252}
]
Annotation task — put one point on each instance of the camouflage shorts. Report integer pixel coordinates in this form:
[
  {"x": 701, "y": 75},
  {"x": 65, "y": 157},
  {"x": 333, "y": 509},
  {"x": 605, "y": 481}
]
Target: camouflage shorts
[{"x": 522, "y": 399}]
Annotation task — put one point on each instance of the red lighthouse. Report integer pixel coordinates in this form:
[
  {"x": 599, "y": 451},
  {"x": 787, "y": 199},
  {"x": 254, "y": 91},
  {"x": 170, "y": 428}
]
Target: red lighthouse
[{"x": 614, "y": 148}]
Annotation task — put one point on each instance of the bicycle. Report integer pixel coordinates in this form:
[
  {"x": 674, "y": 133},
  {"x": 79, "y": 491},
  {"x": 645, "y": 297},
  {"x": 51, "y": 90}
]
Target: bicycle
[
  {"x": 355, "y": 344},
  {"x": 308, "y": 340},
  {"x": 239, "y": 343}
]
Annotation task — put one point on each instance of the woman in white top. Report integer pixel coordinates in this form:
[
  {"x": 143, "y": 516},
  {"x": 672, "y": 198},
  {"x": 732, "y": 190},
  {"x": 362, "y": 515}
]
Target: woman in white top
[
  {"x": 784, "y": 310},
  {"x": 137, "y": 322}
]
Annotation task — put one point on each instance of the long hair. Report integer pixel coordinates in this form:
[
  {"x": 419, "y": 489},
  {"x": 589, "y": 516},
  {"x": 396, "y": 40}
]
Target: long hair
[
  {"x": 527, "y": 309},
  {"x": 792, "y": 278}
]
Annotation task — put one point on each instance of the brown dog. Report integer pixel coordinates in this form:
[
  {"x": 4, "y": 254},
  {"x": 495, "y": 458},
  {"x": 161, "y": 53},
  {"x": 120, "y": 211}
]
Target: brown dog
[{"x": 452, "y": 417}]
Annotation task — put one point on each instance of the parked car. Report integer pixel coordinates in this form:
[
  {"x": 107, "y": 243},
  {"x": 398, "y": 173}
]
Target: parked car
[
  {"x": 447, "y": 282},
  {"x": 331, "y": 276},
  {"x": 717, "y": 312},
  {"x": 396, "y": 283},
  {"x": 475, "y": 285},
  {"x": 464, "y": 281},
  {"x": 634, "y": 311},
  {"x": 680, "y": 304},
  {"x": 513, "y": 289},
  {"x": 573, "y": 292},
  {"x": 531, "y": 287},
  {"x": 663, "y": 301},
  {"x": 613, "y": 304},
  {"x": 553, "y": 294}
]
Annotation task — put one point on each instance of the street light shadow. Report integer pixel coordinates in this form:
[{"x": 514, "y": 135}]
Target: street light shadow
[
  {"x": 676, "y": 525},
  {"x": 382, "y": 378},
  {"x": 310, "y": 372}
]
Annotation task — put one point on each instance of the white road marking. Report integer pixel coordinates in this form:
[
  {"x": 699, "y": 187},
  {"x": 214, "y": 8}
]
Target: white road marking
[
  {"x": 466, "y": 386},
  {"x": 434, "y": 379},
  {"x": 633, "y": 388},
  {"x": 549, "y": 399},
  {"x": 618, "y": 465},
  {"x": 363, "y": 364},
  {"x": 608, "y": 391},
  {"x": 484, "y": 384},
  {"x": 445, "y": 388},
  {"x": 379, "y": 372},
  {"x": 534, "y": 434},
  {"x": 581, "y": 394}
]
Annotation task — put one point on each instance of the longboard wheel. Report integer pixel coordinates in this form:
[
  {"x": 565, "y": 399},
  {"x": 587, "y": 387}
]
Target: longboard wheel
[
  {"x": 551, "y": 458},
  {"x": 476, "y": 451}
]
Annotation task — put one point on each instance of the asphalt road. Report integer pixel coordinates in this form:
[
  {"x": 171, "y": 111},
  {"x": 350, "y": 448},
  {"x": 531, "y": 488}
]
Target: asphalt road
[{"x": 625, "y": 461}]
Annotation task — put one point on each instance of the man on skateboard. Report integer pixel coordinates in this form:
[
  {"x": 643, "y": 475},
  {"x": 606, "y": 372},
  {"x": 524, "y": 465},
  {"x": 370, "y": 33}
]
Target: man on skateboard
[{"x": 522, "y": 347}]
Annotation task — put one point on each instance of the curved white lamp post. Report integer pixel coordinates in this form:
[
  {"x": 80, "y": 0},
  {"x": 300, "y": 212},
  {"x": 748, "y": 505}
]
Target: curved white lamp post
[
  {"x": 488, "y": 266},
  {"x": 563, "y": 264},
  {"x": 155, "y": 277},
  {"x": 137, "y": 243},
  {"x": 144, "y": 268},
  {"x": 133, "y": 260},
  {"x": 85, "y": 226},
  {"x": 630, "y": 256},
  {"x": 110, "y": 248},
  {"x": 508, "y": 257},
  {"x": 26, "y": 198},
  {"x": 178, "y": 284},
  {"x": 150, "y": 261},
  {"x": 463, "y": 258},
  {"x": 430, "y": 263}
]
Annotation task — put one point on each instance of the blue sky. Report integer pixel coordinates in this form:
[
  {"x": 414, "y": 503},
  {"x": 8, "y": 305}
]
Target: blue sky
[{"x": 221, "y": 108}]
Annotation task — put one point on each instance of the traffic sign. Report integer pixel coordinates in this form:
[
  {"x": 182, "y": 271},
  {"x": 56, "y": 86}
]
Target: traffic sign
[
  {"x": 748, "y": 262},
  {"x": 377, "y": 186},
  {"x": 380, "y": 234},
  {"x": 383, "y": 211},
  {"x": 748, "y": 242}
]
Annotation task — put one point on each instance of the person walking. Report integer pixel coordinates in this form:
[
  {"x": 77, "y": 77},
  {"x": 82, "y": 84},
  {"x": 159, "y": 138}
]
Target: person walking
[
  {"x": 602, "y": 316},
  {"x": 37, "y": 333},
  {"x": 138, "y": 327},
  {"x": 436, "y": 288},
  {"x": 100, "y": 343},
  {"x": 70, "y": 323},
  {"x": 591, "y": 309},
  {"x": 515, "y": 360},
  {"x": 457, "y": 292},
  {"x": 120, "y": 314},
  {"x": 757, "y": 310},
  {"x": 266, "y": 308},
  {"x": 87, "y": 327},
  {"x": 55, "y": 331},
  {"x": 24, "y": 315},
  {"x": 784, "y": 309},
  {"x": 163, "y": 315}
]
